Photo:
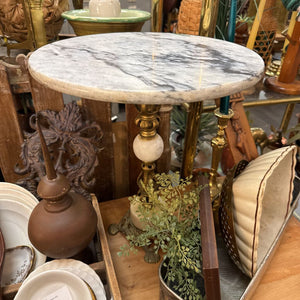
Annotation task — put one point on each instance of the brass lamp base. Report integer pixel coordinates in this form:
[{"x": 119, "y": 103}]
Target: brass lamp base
[{"x": 218, "y": 143}]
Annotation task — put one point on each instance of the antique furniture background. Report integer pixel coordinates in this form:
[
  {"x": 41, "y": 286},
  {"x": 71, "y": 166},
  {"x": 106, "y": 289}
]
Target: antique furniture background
[
  {"x": 111, "y": 182},
  {"x": 190, "y": 93},
  {"x": 31, "y": 22},
  {"x": 74, "y": 144},
  {"x": 16, "y": 80},
  {"x": 273, "y": 277}
]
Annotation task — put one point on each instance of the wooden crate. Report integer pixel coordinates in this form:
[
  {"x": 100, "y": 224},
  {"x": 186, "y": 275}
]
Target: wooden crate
[{"x": 104, "y": 268}]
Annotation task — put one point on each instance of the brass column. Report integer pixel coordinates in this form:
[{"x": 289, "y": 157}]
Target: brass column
[
  {"x": 38, "y": 23},
  {"x": 191, "y": 137},
  {"x": 218, "y": 143}
]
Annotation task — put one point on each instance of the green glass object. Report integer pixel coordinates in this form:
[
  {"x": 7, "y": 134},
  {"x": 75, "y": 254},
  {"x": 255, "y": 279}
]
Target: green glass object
[
  {"x": 126, "y": 16},
  {"x": 130, "y": 20}
]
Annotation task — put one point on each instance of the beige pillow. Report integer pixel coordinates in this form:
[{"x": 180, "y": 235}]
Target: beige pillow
[{"x": 262, "y": 196}]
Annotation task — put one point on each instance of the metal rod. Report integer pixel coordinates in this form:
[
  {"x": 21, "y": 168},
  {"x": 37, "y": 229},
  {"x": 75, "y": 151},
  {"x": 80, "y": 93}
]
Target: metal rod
[
  {"x": 211, "y": 108},
  {"x": 191, "y": 137},
  {"x": 286, "y": 117}
]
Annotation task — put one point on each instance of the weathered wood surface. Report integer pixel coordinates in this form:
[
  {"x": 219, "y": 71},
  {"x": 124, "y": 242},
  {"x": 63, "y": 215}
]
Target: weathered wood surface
[
  {"x": 108, "y": 263},
  {"x": 116, "y": 175},
  {"x": 100, "y": 112},
  {"x": 209, "y": 246},
  {"x": 121, "y": 171},
  {"x": 164, "y": 162},
  {"x": 14, "y": 80},
  {"x": 137, "y": 279},
  {"x": 240, "y": 142},
  {"x": 281, "y": 279},
  {"x": 43, "y": 97},
  {"x": 11, "y": 137},
  {"x": 133, "y": 161}
]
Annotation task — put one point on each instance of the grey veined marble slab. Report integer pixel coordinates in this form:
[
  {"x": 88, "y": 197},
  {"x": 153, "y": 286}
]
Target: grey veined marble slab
[{"x": 150, "y": 68}]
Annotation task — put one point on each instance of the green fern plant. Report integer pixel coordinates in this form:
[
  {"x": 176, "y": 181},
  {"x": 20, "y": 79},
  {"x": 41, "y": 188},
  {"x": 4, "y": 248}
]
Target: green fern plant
[{"x": 169, "y": 211}]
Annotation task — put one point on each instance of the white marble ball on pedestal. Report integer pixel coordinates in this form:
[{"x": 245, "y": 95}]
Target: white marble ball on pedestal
[
  {"x": 105, "y": 8},
  {"x": 148, "y": 150}
]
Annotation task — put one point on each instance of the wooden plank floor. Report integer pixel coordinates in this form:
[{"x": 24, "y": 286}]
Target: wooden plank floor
[{"x": 137, "y": 279}]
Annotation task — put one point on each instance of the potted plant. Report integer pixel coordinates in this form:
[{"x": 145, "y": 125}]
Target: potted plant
[
  {"x": 224, "y": 15},
  {"x": 242, "y": 29},
  {"x": 169, "y": 212},
  {"x": 207, "y": 128}
]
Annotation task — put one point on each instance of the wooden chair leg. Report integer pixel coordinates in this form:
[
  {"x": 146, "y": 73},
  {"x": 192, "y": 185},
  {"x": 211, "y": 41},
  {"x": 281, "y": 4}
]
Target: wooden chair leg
[{"x": 11, "y": 136}]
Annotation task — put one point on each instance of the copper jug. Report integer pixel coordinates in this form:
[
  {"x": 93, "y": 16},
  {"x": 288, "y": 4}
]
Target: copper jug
[{"x": 64, "y": 222}]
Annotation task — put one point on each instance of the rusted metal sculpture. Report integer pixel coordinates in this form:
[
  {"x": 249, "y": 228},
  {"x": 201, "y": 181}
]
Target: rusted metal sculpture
[{"x": 73, "y": 144}]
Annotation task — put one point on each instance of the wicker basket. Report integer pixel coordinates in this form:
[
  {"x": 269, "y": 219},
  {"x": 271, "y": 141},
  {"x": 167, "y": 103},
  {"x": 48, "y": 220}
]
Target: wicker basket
[
  {"x": 267, "y": 28},
  {"x": 189, "y": 17}
]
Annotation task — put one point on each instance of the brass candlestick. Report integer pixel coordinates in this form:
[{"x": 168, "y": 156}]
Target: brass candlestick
[
  {"x": 148, "y": 147},
  {"x": 218, "y": 143},
  {"x": 148, "y": 144}
]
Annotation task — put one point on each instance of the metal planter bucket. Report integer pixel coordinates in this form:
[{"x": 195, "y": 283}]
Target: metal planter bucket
[{"x": 166, "y": 293}]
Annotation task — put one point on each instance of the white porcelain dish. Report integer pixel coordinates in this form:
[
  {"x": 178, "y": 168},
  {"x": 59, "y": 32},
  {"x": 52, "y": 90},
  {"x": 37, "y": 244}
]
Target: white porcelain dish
[
  {"x": 78, "y": 268},
  {"x": 54, "y": 284},
  {"x": 262, "y": 196},
  {"x": 18, "y": 193},
  {"x": 18, "y": 262},
  {"x": 14, "y": 217}
]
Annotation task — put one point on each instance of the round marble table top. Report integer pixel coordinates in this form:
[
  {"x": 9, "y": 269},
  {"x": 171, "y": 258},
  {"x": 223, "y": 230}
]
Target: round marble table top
[{"x": 146, "y": 68}]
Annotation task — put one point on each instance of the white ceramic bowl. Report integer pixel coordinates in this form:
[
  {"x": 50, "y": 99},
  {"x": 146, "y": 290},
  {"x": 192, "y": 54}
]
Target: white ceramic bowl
[
  {"x": 18, "y": 262},
  {"x": 14, "y": 216},
  {"x": 262, "y": 196},
  {"x": 54, "y": 284},
  {"x": 15, "y": 192},
  {"x": 78, "y": 268}
]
